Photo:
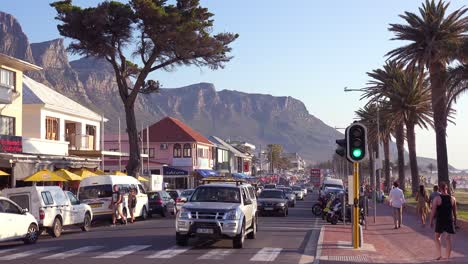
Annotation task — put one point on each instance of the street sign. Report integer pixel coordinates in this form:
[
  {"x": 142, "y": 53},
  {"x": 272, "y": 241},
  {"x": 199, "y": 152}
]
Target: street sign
[{"x": 350, "y": 189}]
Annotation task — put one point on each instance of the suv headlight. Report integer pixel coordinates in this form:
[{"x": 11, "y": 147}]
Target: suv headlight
[
  {"x": 232, "y": 215},
  {"x": 184, "y": 213},
  {"x": 280, "y": 204}
]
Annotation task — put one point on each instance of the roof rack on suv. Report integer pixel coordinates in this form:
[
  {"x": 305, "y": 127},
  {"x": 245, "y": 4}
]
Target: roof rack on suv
[{"x": 222, "y": 179}]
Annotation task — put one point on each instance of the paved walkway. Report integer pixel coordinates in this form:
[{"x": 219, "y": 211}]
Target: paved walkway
[{"x": 383, "y": 244}]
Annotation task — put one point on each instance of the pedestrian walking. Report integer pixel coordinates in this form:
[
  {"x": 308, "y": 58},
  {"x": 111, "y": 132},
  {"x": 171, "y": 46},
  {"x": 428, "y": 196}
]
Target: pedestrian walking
[
  {"x": 444, "y": 211},
  {"x": 396, "y": 201},
  {"x": 434, "y": 194},
  {"x": 132, "y": 201},
  {"x": 422, "y": 206},
  {"x": 117, "y": 200},
  {"x": 454, "y": 185}
]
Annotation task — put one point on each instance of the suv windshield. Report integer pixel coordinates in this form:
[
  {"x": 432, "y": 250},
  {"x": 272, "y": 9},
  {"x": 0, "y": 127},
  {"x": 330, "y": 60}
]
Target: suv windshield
[
  {"x": 272, "y": 194},
  {"x": 334, "y": 186},
  {"x": 296, "y": 188},
  {"x": 287, "y": 190},
  {"x": 216, "y": 194},
  {"x": 270, "y": 186}
]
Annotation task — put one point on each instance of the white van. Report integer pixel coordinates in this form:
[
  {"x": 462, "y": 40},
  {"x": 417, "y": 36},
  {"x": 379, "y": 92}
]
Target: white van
[
  {"x": 97, "y": 193},
  {"x": 52, "y": 207},
  {"x": 335, "y": 183}
]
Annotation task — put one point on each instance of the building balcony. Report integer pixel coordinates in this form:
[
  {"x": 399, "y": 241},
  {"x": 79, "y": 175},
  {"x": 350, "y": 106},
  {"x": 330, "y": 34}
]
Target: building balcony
[
  {"x": 45, "y": 147},
  {"x": 81, "y": 142},
  {"x": 6, "y": 94}
]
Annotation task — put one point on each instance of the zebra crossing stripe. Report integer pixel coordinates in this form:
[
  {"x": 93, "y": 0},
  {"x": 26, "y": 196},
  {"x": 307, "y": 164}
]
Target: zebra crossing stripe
[
  {"x": 27, "y": 253},
  {"x": 217, "y": 254},
  {"x": 73, "y": 252},
  {"x": 168, "y": 253},
  {"x": 123, "y": 251},
  {"x": 267, "y": 254}
]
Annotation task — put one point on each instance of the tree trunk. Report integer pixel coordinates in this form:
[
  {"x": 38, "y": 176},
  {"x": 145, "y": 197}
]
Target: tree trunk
[
  {"x": 439, "y": 100},
  {"x": 400, "y": 143},
  {"x": 134, "y": 162},
  {"x": 386, "y": 143},
  {"x": 411, "y": 136}
]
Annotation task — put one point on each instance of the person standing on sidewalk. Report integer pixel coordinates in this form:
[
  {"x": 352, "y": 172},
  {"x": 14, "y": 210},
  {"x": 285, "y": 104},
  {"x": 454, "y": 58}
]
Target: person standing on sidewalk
[
  {"x": 423, "y": 201},
  {"x": 433, "y": 195},
  {"x": 117, "y": 200},
  {"x": 396, "y": 201},
  {"x": 444, "y": 210}
]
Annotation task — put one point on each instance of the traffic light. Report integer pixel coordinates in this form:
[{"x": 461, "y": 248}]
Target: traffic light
[
  {"x": 341, "y": 149},
  {"x": 356, "y": 142}
]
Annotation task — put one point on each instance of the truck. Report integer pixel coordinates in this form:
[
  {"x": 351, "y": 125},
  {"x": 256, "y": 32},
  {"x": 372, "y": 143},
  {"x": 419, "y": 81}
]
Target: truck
[{"x": 316, "y": 177}]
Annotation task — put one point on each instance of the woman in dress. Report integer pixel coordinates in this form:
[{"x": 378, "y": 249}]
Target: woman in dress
[
  {"x": 423, "y": 199},
  {"x": 132, "y": 200}
]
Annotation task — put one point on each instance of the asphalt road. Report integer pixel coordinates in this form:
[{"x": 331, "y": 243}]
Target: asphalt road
[{"x": 291, "y": 239}]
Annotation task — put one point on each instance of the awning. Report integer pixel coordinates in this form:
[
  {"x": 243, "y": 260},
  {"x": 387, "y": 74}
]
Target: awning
[
  {"x": 207, "y": 173},
  {"x": 171, "y": 172},
  {"x": 241, "y": 175}
]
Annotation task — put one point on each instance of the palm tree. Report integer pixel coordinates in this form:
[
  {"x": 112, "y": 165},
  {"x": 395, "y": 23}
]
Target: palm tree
[{"x": 435, "y": 37}]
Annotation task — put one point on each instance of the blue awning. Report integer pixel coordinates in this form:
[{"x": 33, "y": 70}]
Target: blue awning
[
  {"x": 207, "y": 173},
  {"x": 240, "y": 175}
]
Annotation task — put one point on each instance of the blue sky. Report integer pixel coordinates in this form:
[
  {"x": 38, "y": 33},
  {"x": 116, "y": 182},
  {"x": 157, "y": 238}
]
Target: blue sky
[{"x": 306, "y": 49}]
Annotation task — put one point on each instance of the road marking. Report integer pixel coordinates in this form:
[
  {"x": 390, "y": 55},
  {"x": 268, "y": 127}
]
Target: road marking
[
  {"x": 73, "y": 252},
  {"x": 168, "y": 253},
  {"x": 266, "y": 254},
  {"x": 318, "y": 253},
  {"x": 217, "y": 254},
  {"x": 308, "y": 257},
  {"x": 27, "y": 253},
  {"x": 3, "y": 251},
  {"x": 123, "y": 251}
]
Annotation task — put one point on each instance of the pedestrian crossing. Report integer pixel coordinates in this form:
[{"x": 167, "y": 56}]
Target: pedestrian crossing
[{"x": 266, "y": 254}]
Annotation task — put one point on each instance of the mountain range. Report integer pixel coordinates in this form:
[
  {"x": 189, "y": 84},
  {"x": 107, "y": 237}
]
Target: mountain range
[{"x": 257, "y": 118}]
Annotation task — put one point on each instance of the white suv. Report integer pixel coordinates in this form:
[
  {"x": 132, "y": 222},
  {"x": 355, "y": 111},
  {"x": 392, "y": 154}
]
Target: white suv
[{"x": 220, "y": 211}]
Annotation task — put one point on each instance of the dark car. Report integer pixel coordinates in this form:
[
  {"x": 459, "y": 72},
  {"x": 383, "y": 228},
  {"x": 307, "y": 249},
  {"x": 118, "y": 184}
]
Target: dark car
[
  {"x": 273, "y": 201},
  {"x": 174, "y": 194},
  {"x": 290, "y": 196},
  {"x": 161, "y": 203}
]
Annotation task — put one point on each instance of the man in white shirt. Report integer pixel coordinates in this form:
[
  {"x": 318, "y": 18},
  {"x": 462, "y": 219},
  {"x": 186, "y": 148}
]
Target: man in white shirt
[{"x": 397, "y": 200}]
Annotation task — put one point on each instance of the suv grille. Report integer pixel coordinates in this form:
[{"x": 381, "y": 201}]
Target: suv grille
[{"x": 207, "y": 214}]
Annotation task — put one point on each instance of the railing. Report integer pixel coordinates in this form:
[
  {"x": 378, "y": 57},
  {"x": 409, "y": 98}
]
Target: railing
[
  {"x": 44, "y": 146},
  {"x": 80, "y": 142}
]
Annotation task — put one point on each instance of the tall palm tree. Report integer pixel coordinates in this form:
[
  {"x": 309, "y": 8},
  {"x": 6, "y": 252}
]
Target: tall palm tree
[{"x": 435, "y": 36}]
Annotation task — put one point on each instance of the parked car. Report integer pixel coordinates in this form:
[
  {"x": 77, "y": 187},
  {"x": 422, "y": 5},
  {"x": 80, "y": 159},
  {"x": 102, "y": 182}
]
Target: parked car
[
  {"x": 270, "y": 186},
  {"x": 17, "y": 223},
  {"x": 273, "y": 201},
  {"x": 97, "y": 193},
  {"x": 182, "y": 199},
  {"x": 174, "y": 193},
  {"x": 298, "y": 192},
  {"x": 288, "y": 192},
  {"x": 219, "y": 211},
  {"x": 161, "y": 203},
  {"x": 52, "y": 207}
]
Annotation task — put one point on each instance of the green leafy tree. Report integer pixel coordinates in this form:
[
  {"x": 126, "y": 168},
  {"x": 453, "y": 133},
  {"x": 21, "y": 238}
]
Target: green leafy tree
[
  {"x": 161, "y": 35},
  {"x": 435, "y": 38},
  {"x": 274, "y": 152}
]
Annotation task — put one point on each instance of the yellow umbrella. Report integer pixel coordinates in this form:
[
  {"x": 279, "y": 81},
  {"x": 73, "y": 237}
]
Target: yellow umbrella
[
  {"x": 68, "y": 175},
  {"x": 84, "y": 173},
  {"x": 119, "y": 173},
  {"x": 100, "y": 172},
  {"x": 2, "y": 173},
  {"x": 142, "y": 179},
  {"x": 43, "y": 176}
]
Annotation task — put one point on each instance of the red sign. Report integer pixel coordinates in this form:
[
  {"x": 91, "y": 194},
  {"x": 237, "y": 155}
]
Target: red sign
[
  {"x": 315, "y": 177},
  {"x": 246, "y": 166},
  {"x": 11, "y": 144}
]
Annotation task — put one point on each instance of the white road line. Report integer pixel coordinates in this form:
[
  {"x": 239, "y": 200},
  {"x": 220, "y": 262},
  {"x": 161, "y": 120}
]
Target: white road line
[
  {"x": 122, "y": 252},
  {"x": 72, "y": 253},
  {"x": 3, "y": 251},
  {"x": 217, "y": 254},
  {"x": 318, "y": 253},
  {"x": 267, "y": 254},
  {"x": 168, "y": 253},
  {"x": 307, "y": 257},
  {"x": 27, "y": 253}
]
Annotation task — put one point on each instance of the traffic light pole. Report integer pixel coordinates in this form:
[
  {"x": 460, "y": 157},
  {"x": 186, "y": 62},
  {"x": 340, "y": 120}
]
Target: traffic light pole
[{"x": 356, "y": 229}]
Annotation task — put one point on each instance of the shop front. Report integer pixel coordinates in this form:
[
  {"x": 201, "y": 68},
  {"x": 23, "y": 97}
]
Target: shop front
[{"x": 176, "y": 178}]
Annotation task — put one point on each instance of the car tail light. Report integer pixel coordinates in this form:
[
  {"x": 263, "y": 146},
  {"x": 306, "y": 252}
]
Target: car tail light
[{"x": 41, "y": 214}]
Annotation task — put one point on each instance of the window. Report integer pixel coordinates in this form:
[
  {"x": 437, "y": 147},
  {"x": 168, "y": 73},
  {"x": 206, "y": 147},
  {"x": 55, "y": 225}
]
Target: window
[
  {"x": 177, "y": 151},
  {"x": 114, "y": 149},
  {"x": 52, "y": 128},
  {"x": 163, "y": 146},
  {"x": 8, "y": 208},
  {"x": 47, "y": 198},
  {"x": 157, "y": 172},
  {"x": 72, "y": 198},
  {"x": 187, "y": 151},
  {"x": 151, "y": 152},
  {"x": 21, "y": 199},
  {"x": 7, "y": 79},
  {"x": 96, "y": 191},
  {"x": 142, "y": 190},
  {"x": 202, "y": 153},
  {"x": 7, "y": 125}
]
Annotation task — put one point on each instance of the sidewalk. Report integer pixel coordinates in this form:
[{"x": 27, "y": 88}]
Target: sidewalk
[{"x": 382, "y": 244}]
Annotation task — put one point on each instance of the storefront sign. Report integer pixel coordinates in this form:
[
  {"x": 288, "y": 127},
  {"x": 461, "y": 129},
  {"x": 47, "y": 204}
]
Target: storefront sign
[
  {"x": 11, "y": 144},
  {"x": 246, "y": 166},
  {"x": 173, "y": 171}
]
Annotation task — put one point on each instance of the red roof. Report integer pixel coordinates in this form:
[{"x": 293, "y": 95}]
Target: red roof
[{"x": 173, "y": 130}]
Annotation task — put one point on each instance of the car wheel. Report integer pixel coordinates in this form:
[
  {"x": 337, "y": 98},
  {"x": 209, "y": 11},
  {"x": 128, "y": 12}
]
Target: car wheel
[
  {"x": 253, "y": 233},
  {"x": 181, "y": 240},
  {"x": 144, "y": 213},
  {"x": 164, "y": 212},
  {"x": 32, "y": 235},
  {"x": 86, "y": 223},
  {"x": 238, "y": 241},
  {"x": 56, "y": 229}
]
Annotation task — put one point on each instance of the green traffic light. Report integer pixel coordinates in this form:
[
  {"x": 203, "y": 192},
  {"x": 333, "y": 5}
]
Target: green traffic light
[{"x": 357, "y": 153}]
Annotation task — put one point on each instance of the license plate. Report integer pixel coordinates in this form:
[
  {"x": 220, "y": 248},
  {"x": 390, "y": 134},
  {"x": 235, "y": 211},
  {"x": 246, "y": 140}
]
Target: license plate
[
  {"x": 95, "y": 205},
  {"x": 204, "y": 231},
  {"x": 268, "y": 209}
]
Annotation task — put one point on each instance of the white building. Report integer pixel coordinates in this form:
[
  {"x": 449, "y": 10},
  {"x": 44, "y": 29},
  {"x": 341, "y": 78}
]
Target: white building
[{"x": 53, "y": 124}]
